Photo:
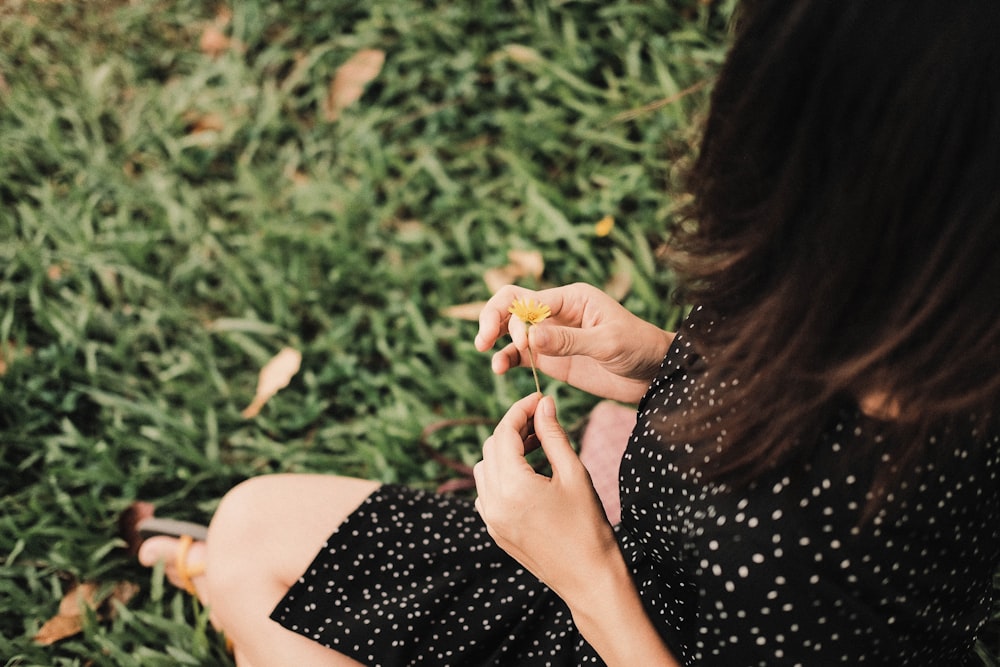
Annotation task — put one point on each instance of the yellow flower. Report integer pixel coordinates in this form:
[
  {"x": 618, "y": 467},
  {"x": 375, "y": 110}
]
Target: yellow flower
[
  {"x": 604, "y": 226},
  {"x": 529, "y": 311}
]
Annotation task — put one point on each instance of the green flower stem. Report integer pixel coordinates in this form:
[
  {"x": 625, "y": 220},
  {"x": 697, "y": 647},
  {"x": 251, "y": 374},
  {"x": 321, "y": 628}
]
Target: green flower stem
[{"x": 531, "y": 359}]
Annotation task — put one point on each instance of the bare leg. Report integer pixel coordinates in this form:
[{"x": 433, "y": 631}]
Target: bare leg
[{"x": 263, "y": 537}]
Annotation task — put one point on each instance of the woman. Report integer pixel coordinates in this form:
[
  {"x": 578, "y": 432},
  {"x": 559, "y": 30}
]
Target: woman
[{"x": 812, "y": 476}]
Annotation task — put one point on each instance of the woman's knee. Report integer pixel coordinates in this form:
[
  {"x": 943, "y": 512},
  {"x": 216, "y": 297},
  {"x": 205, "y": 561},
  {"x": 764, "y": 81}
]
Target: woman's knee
[
  {"x": 240, "y": 516},
  {"x": 275, "y": 524}
]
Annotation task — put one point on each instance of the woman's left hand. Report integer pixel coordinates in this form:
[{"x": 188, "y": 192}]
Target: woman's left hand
[{"x": 554, "y": 526}]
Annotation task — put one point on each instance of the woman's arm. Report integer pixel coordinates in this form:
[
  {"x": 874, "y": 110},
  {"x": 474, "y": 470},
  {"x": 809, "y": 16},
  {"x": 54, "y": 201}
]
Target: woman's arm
[
  {"x": 555, "y": 527},
  {"x": 590, "y": 341},
  {"x": 612, "y": 619}
]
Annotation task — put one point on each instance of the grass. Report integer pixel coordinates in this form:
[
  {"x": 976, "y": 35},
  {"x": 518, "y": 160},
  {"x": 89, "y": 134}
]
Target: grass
[{"x": 172, "y": 218}]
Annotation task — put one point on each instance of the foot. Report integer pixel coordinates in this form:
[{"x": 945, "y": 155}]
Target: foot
[
  {"x": 184, "y": 562},
  {"x": 601, "y": 448}
]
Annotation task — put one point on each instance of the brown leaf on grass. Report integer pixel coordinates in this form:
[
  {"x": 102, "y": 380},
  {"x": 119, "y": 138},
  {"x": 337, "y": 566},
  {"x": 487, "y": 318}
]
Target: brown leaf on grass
[
  {"x": 273, "y": 377},
  {"x": 55, "y": 272},
  {"x": 522, "y": 264},
  {"x": 604, "y": 226},
  {"x": 620, "y": 283},
  {"x": 298, "y": 177},
  {"x": 213, "y": 40},
  {"x": 203, "y": 122},
  {"x": 521, "y": 54},
  {"x": 68, "y": 621},
  {"x": 465, "y": 311},
  {"x": 10, "y": 352},
  {"x": 349, "y": 82}
]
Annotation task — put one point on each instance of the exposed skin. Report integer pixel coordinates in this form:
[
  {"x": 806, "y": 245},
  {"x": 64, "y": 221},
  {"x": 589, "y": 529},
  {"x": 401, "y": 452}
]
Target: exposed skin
[
  {"x": 590, "y": 340},
  {"x": 267, "y": 530},
  {"x": 538, "y": 519},
  {"x": 263, "y": 536}
]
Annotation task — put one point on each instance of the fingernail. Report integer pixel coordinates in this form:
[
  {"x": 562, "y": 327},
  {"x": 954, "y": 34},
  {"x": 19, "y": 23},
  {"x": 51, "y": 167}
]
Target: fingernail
[
  {"x": 547, "y": 406},
  {"x": 536, "y": 338}
]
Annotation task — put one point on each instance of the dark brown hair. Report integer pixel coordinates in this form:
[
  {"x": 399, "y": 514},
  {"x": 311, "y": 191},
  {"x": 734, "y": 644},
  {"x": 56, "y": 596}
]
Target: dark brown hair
[{"x": 846, "y": 224}]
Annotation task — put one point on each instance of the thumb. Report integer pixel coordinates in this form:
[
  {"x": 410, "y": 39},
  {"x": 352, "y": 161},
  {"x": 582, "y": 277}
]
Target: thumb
[
  {"x": 553, "y": 438},
  {"x": 557, "y": 341}
]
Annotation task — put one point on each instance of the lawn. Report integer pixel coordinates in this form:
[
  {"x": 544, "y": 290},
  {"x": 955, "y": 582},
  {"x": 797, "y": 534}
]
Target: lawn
[{"x": 188, "y": 188}]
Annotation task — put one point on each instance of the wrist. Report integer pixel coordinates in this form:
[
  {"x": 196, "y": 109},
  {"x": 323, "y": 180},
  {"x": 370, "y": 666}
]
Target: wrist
[
  {"x": 591, "y": 603},
  {"x": 656, "y": 343},
  {"x": 610, "y": 615}
]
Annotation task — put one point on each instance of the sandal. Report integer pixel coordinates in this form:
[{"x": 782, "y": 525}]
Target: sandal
[
  {"x": 137, "y": 524},
  {"x": 185, "y": 571}
]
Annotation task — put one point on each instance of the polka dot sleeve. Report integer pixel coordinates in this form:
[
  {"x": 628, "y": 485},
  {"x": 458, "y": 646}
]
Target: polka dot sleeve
[{"x": 782, "y": 572}]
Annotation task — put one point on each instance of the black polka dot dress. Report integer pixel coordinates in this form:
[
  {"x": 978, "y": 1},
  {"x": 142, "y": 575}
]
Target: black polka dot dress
[
  {"x": 777, "y": 573},
  {"x": 412, "y": 578}
]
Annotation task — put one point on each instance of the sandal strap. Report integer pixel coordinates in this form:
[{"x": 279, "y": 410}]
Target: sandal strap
[
  {"x": 185, "y": 572},
  {"x": 154, "y": 526}
]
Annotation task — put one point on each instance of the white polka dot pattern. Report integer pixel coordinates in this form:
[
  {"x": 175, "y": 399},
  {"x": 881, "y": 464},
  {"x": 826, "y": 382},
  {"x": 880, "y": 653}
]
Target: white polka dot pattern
[
  {"x": 412, "y": 578},
  {"x": 782, "y": 572},
  {"x": 778, "y": 573}
]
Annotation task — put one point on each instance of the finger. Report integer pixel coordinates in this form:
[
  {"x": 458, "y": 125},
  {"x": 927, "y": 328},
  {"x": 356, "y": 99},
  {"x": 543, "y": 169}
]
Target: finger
[
  {"x": 526, "y": 433},
  {"x": 566, "y": 303},
  {"x": 479, "y": 475},
  {"x": 488, "y": 447},
  {"x": 507, "y": 358},
  {"x": 553, "y": 439},
  {"x": 487, "y": 483},
  {"x": 528, "y": 436},
  {"x": 558, "y": 341},
  {"x": 157, "y": 549},
  {"x": 518, "y": 417},
  {"x": 494, "y": 318},
  {"x": 492, "y": 325},
  {"x": 516, "y": 426},
  {"x": 518, "y": 331}
]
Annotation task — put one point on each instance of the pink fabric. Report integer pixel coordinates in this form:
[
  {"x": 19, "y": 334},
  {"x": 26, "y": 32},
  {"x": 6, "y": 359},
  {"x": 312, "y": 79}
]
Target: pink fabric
[{"x": 601, "y": 448}]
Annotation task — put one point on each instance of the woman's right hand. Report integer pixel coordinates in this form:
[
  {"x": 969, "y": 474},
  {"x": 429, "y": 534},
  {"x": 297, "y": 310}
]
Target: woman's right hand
[{"x": 590, "y": 340}]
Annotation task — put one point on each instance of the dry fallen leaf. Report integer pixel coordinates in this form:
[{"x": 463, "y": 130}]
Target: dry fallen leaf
[
  {"x": 349, "y": 82},
  {"x": 9, "y": 353},
  {"x": 523, "y": 55},
  {"x": 297, "y": 177},
  {"x": 274, "y": 376},
  {"x": 604, "y": 226},
  {"x": 55, "y": 272},
  {"x": 465, "y": 311},
  {"x": 68, "y": 621},
  {"x": 620, "y": 282},
  {"x": 204, "y": 122},
  {"x": 522, "y": 264},
  {"x": 213, "y": 40}
]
